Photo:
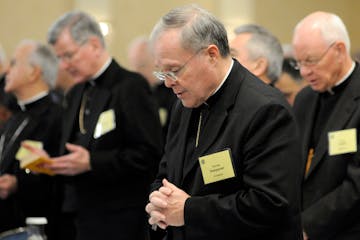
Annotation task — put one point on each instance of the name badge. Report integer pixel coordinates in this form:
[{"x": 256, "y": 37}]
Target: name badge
[
  {"x": 105, "y": 124},
  {"x": 216, "y": 166},
  {"x": 342, "y": 141}
]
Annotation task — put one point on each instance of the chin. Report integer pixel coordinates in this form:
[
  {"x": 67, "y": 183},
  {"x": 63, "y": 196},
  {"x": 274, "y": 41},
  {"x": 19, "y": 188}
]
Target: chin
[
  {"x": 187, "y": 104},
  {"x": 79, "y": 80}
]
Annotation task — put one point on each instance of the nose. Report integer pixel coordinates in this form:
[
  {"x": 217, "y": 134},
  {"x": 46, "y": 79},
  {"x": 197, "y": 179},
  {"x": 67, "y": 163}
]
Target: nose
[
  {"x": 169, "y": 83},
  {"x": 63, "y": 64},
  {"x": 305, "y": 71}
]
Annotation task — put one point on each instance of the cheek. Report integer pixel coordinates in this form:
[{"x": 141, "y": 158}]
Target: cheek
[
  {"x": 325, "y": 74},
  {"x": 14, "y": 75}
]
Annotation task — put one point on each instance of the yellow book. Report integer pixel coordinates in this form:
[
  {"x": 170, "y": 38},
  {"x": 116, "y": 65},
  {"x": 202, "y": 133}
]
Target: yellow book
[{"x": 31, "y": 160}]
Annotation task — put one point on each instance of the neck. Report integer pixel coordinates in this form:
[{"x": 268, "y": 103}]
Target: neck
[
  {"x": 30, "y": 91},
  {"x": 224, "y": 66},
  {"x": 99, "y": 63},
  {"x": 224, "y": 70}
]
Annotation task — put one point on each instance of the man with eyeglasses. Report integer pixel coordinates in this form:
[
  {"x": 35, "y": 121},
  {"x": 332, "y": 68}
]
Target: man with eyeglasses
[
  {"x": 231, "y": 163},
  {"x": 111, "y": 137},
  {"x": 328, "y": 113}
]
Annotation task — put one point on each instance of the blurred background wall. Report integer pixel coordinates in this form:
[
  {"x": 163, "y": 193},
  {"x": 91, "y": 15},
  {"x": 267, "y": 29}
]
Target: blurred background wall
[{"x": 127, "y": 19}]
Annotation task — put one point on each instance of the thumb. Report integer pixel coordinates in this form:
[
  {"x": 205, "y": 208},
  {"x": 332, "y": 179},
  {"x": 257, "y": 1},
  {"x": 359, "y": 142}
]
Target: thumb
[
  {"x": 169, "y": 185},
  {"x": 34, "y": 150},
  {"x": 72, "y": 147}
]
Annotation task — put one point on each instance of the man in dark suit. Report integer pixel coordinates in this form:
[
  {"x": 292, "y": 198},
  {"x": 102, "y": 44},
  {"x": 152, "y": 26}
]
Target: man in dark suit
[
  {"x": 111, "y": 138},
  {"x": 231, "y": 168},
  {"x": 328, "y": 113},
  {"x": 32, "y": 71}
]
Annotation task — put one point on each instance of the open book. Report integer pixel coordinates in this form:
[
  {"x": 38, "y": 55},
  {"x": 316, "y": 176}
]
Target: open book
[{"x": 31, "y": 160}]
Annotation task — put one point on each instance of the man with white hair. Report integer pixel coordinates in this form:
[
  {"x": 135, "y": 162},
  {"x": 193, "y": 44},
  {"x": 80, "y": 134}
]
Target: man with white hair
[
  {"x": 32, "y": 71},
  {"x": 328, "y": 113}
]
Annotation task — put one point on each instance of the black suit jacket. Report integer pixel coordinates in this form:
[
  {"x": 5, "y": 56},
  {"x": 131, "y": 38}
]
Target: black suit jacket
[
  {"x": 41, "y": 121},
  {"x": 331, "y": 189},
  {"x": 124, "y": 160},
  {"x": 263, "y": 200}
]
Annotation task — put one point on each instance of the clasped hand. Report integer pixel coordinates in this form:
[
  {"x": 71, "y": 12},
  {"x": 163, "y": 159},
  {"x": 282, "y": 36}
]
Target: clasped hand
[{"x": 166, "y": 206}]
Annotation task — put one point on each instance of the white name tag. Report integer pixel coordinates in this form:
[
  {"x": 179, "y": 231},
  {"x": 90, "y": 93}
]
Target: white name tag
[
  {"x": 342, "y": 141},
  {"x": 105, "y": 124}
]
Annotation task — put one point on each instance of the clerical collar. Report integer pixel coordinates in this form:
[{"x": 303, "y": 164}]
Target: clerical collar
[
  {"x": 213, "y": 97},
  {"x": 331, "y": 90},
  {"x": 23, "y": 103},
  {"x": 226, "y": 76},
  {"x": 102, "y": 69}
]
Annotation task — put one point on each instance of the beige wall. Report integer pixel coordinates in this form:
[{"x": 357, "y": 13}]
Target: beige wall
[
  {"x": 28, "y": 19},
  {"x": 138, "y": 18},
  {"x": 31, "y": 18},
  {"x": 280, "y": 16}
]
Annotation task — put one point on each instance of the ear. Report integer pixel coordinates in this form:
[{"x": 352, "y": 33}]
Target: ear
[
  {"x": 213, "y": 52},
  {"x": 340, "y": 49},
  {"x": 35, "y": 73},
  {"x": 260, "y": 66},
  {"x": 95, "y": 44}
]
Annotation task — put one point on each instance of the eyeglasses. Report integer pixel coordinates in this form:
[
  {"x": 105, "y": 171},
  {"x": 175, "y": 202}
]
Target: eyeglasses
[
  {"x": 68, "y": 56},
  {"x": 310, "y": 62},
  {"x": 173, "y": 75}
]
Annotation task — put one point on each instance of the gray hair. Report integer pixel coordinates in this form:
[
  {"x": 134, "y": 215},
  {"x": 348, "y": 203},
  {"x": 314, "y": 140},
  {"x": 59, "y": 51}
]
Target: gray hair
[
  {"x": 44, "y": 57},
  {"x": 80, "y": 25},
  {"x": 332, "y": 28},
  {"x": 264, "y": 44},
  {"x": 199, "y": 28}
]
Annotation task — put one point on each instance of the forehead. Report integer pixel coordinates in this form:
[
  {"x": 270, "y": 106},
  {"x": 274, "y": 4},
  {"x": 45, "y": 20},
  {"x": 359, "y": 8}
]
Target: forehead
[
  {"x": 240, "y": 40},
  {"x": 167, "y": 47},
  {"x": 22, "y": 51},
  {"x": 64, "y": 41},
  {"x": 307, "y": 41}
]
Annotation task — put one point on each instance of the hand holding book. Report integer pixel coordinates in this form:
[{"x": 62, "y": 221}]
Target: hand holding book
[{"x": 32, "y": 156}]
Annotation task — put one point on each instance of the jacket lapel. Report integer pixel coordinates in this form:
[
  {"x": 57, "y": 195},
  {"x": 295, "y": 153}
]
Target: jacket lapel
[
  {"x": 100, "y": 97},
  {"x": 217, "y": 115},
  {"x": 178, "y": 170},
  {"x": 308, "y": 126},
  {"x": 343, "y": 111},
  {"x": 211, "y": 129},
  {"x": 341, "y": 114},
  {"x": 71, "y": 118},
  {"x": 24, "y": 127}
]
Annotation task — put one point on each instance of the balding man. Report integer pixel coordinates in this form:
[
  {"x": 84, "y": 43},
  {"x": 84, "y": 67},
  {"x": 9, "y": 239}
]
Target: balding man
[{"x": 328, "y": 113}]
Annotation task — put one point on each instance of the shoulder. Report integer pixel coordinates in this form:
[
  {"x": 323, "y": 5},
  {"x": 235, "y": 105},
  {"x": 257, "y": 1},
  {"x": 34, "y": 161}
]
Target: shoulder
[
  {"x": 123, "y": 80},
  {"x": 251, "y": 91},
  {"x": 304, "y": 97},
  {"x": 255, "y": 96}
]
